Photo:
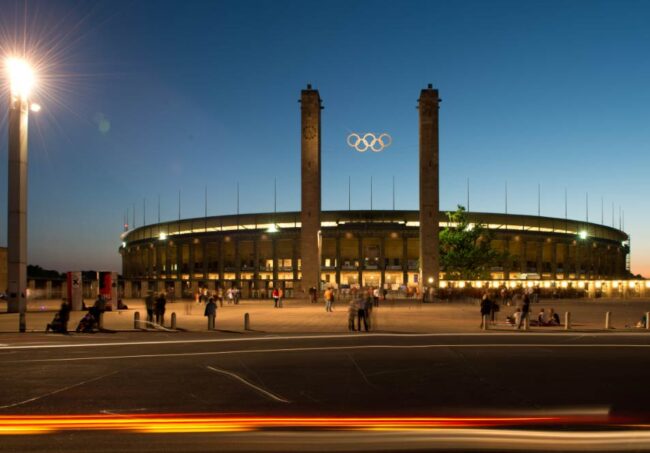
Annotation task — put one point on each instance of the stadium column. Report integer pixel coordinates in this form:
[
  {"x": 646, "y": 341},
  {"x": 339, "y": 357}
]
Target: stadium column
[
  {"x": 539, "y": 257},
  {"x": 220, "y": 265},
  {"x": 274, "y": 251},
  {"x": 310, "y": 106},
  {"x": 361, "y": 259},
  {"x": 338, "y": 261},
  {"x": 256, "y": 264},
  {"x": 405, "y": 269},
  {"x": 191, "y": 261},
  {"x": 382, "y": 261},
  {"x": 507, "y": 262},
  {"x": 204, "y": 253},
  {"x": 237, "y": 264},
  {"x": 553, "y": 260},
  {"x": 429, "y": 187}
]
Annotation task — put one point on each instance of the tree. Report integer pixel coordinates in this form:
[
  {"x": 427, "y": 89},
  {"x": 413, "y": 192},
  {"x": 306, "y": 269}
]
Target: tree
[{"x": 465, "y": 251}]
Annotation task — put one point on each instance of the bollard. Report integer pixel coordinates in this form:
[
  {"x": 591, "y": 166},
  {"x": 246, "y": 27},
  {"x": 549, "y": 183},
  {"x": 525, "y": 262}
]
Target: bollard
[
  {"x": 136, "y": 320},
  {"x": 608, "y": 319},
  {"x": 485, "y": 322},
  {"x": 247, "y": 322},
  {"x": 527, "y": 322},
  {"x": 567, "y": 320},
  {"x": 174, "y": 321}
]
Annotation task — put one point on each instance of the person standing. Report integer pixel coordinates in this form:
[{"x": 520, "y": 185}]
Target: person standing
[
  {"x": 161, "y": 302},
  {"x": 525, "y": 309},
  {"x": 486, "y": 308},
  {"x": 361, "y": 312},
  {"x": 375, "y": 297},
  {"x": 328, "y": 299},
  {"x": 149, "y": 304},
  {"x": 211, "y": 313},
  {"x": 494, "y": 309},
  {"x": 353, "y": 308},
  {"x": 220, "y": 296},
  {"x": 276, "y": 295},
  {"x": 280, "y": 296}
]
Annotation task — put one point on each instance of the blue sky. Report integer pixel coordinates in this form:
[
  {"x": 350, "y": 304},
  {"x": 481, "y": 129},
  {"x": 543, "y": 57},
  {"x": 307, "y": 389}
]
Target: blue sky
[{"x": 145, "y": 98}]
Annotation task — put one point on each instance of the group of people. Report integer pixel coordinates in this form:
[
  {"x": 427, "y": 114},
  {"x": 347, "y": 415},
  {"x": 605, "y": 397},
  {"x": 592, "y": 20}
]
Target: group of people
[
  {"x": 490, "y": 306},
  {"x": 360, "y": 310},
  {"x": 155, "y": 306}
]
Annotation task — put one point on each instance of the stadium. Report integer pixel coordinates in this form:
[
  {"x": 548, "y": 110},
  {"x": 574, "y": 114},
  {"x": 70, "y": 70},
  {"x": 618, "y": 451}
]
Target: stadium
[
  {"x": 396, "y": 249},
  {"x": 367, "y": 248}
]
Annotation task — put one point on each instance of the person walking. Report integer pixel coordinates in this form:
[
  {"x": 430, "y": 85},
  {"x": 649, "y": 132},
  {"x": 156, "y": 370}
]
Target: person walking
[
  {"x": 486, "y": 308},
  {"x": 160, "y": 309},
  {"x": 149, "y": 304},
  {"x": 525, "y": 309},
  {"x": 211, "y": 313}
]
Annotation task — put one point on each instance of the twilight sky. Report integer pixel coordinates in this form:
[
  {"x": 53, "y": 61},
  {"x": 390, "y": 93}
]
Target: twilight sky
[{"x": 143, "y": 98}]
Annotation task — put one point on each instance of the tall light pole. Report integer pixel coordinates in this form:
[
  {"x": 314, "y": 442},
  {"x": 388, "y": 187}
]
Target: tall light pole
[{"x": 21, "y": 79}]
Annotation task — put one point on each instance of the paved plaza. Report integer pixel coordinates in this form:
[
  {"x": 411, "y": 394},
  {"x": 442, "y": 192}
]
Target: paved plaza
[{"x": 300, "y": 316}]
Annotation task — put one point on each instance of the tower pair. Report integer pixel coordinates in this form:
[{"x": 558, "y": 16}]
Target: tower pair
[{"x": 311, "y": 106}]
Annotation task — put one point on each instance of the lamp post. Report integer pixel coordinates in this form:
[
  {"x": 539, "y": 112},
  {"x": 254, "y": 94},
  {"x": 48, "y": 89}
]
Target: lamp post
[{"x": 21, "y": 80}]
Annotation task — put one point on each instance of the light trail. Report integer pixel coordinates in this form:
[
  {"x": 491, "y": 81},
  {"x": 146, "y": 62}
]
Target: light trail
[
  {"x": 340, "y": 348},
  {"x": 201, "y": 423},
  {"x": 320, "y": 337}
]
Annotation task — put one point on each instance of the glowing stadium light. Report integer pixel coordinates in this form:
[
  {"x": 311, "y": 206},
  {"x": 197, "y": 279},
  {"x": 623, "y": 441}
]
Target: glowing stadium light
[
  {"x": 583, "y": 234},
  {"x": 21, "y": 77},
  {"x": 272, "y": 229},
  {"x": 162, "y": 236}
]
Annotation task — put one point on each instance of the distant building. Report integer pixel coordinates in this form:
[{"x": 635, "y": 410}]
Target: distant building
[{"x": 3, "y": 269}]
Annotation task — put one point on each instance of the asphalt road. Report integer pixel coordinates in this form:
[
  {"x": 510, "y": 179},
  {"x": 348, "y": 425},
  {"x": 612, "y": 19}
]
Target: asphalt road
[{"x": 490, "y": 374}]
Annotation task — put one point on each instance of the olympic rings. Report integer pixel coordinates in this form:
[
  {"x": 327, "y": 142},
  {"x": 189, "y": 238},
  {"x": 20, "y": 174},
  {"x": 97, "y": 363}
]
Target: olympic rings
[{"x": 369, "y": 141}]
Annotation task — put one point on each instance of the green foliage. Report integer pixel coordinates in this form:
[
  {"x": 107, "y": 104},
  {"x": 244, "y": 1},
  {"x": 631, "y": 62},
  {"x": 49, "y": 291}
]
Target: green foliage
[
  {"x": 37, "y": 272},
  {"x": 465, "y": 251}
]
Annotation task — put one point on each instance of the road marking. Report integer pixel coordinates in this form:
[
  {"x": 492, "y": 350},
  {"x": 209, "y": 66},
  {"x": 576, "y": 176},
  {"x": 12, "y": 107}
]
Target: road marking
[
  {"x": 20, "y": 403},
  {"x": 328, "y": 336},
  {"x": 250, "y": 384},
  {"x": 337, "y": 348}
]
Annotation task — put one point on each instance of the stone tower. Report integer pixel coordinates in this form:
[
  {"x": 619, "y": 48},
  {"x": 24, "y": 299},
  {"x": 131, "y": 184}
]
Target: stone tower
[
  {"x": 429, "y": 187},
  {"x": 310, "y": 107}
]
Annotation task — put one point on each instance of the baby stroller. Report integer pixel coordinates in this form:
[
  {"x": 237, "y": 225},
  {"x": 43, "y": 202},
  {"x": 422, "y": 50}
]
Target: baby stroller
[{"x": 87, "y": 324}]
